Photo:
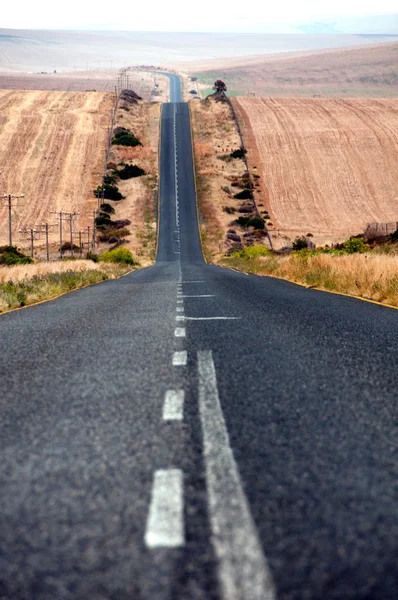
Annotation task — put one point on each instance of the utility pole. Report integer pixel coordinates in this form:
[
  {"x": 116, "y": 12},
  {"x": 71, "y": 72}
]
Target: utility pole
[
  {"x": 10, "y": 198},
  {"x": 94, "y": 228},
  {"x": 69, "y": 216},
  {"x": 31, "y": 236},
  {"x": 32, "y": 242},
  {"x": 47, "y": 246}
]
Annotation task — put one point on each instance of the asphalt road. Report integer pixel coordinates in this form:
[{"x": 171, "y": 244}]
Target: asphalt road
[{"x": 189, "y": 432}]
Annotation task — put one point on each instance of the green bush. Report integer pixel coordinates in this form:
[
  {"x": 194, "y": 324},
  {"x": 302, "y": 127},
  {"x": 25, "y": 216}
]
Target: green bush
[
  {"x": 118, "y": 255},
  {"x": 92, "y": 256},
  {"x": 130, "y": 171},
  {"x": 103, "y": 221},
  {"x": 354, "y": 245},
  {"x": 111, "y": 192},
  {"x": 107, "y": 208},
  {"x": 245, "y": 194},
  {"x": 256, "y": 222},
  {"x": 252, "y": 252},
  {"x": 240, "y": 153},
  {"x": 109, "y": 179},
  {"x": 300, "y": 243},
  {"x": 124, "y": 137},
  {"x": 10, "y": 255}
]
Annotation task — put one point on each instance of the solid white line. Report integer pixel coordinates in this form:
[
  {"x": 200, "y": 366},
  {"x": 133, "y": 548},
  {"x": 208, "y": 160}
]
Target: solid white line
[
  {"x": 243, "y": 570},
  {"x": 201, "y": 296},
  {"x": 180, "y": 358},
  {"x": 165, "y": 524},
  {"x": 173, "y": 406},
  {"x": 180, "y": 332},
  {"x": 180, "y": 318},
  {"x": 196, "y": 281}
]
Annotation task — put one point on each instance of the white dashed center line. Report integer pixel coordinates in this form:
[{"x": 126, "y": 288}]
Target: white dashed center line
[
  {"x": 165, "y": 524},
  {"x": 173, "y": 406},
  {"x": 180, "y": 358},
  {"x": 180, "y": 332},
  {"x": 180, "y": 309}
]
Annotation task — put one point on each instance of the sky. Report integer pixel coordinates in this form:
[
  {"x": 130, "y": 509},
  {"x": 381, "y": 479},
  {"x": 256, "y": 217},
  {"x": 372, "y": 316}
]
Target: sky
[{"x": 179, "y": 15}]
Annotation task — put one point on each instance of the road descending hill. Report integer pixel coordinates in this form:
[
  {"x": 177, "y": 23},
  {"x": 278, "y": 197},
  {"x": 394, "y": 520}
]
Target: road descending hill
[
  {"x": 52, "y": 147},
  {"x": 326, "y": 165}
]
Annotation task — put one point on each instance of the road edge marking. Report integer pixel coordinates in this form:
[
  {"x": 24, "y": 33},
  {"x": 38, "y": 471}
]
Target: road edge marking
[{"x": 243, "y": 569}]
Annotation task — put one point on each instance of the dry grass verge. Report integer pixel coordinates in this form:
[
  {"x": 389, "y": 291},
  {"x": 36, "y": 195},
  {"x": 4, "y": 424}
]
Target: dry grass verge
[
  {"x": 139, "y": 205},
  {"x": 21, "y": 285},
  {"x": 219, "y": 178},
  {"x": 370, "y": 276}
]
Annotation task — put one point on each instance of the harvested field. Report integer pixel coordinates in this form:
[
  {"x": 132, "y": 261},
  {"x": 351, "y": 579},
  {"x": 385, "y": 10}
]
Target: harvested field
[
  {"x": 141, "y": 81},
  {"x": 327, "y": 166},
  {"x": 369, "y": 71},
  {"x": 52, "y": 147}
]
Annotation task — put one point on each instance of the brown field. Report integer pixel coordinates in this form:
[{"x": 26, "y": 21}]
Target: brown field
[
  {"x": 326, "y": 166},
  {"x": 369, "y": 71},
  {"x": 52, "y": 147},
  {"x": 97, "y": 80}
]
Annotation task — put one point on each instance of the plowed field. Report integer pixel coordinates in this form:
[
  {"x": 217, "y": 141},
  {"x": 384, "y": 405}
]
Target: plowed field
[
  {"x": 326, "y": 165},
  {"x": 52, "y": 147}
]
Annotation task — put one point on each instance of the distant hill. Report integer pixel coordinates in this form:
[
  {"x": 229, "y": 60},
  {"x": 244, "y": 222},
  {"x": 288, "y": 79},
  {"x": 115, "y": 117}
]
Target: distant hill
[
  {"x": 374, "y": 25},
  {"x": 367, "y": 71}
]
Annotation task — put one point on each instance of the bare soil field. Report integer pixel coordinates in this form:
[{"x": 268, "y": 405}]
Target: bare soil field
[
  {"x": 368, "y": 71},
  {"x": 52, "y": 147},
  {"x": 327, "y": 166},
  {"x": 142, "y": 82}
]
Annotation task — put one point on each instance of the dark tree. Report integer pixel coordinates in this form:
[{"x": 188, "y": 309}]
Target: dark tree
[{"x": 219, "y": 86}]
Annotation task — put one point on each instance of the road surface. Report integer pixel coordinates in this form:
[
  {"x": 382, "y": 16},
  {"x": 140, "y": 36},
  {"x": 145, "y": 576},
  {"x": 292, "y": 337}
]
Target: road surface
[{"x": 190, "y": 432}]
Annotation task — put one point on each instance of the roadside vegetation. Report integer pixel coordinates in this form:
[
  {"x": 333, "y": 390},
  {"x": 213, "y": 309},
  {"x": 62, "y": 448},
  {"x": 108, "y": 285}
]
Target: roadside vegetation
[
  {"x": 356, "y": 268},
  {"x": 229, "y": 216},
  {"x": 23, "y": 283},
  {"x": 127, "y": 214}
]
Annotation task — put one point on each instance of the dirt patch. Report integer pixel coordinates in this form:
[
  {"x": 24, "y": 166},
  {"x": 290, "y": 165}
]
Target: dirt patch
[{"x": 327, "y": 166}]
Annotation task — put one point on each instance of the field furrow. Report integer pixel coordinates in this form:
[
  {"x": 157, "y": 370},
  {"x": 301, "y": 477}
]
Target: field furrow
[{"x": 327, "y": 166}]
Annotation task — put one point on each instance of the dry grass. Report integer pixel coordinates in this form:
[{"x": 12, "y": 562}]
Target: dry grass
[
  {"x": 21, "y": 285},
  {"x": 214, "y": 135},
  {"x": 139, "y": 205},
  {"x": 371, "y": 276}
]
